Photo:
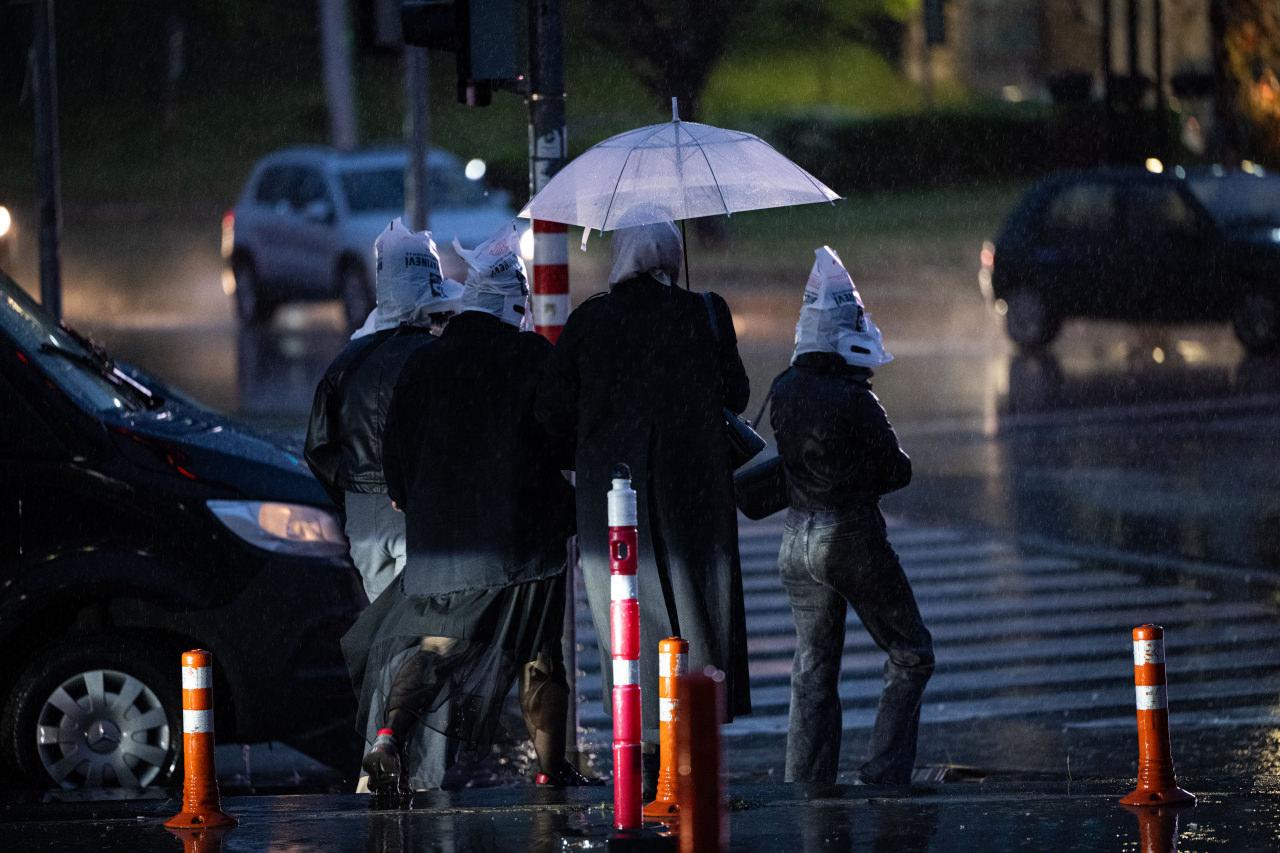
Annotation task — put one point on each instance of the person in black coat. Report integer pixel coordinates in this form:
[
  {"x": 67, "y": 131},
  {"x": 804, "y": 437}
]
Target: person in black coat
[
  {"x": 639, "y": 376},
  {"x": 840, "y": 454},
  {"x": 487, "y": 512},
  {"x": 344, "y": 434}
]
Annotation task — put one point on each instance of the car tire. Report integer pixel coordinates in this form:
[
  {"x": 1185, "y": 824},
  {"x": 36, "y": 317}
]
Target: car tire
[
  {"x": 1257, "y": 322},
  {"x": 105, "y": 699},
  {"x": 356, "y": 293},
  {"x": 251, "y": 305},
  {"x": 1029, "y": 320}
]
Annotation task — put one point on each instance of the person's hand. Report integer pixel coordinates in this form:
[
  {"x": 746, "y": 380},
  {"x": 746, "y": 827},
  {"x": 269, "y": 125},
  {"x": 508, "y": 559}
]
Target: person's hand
[{"x": 396, "y": 507}]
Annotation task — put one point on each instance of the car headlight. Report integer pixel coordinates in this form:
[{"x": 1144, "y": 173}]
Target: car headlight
[{"x": 283, "y": 528}]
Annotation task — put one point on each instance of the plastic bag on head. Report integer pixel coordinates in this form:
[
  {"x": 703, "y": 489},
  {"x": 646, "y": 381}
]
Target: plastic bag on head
[
  {"x": 654, "y": 249},
  {"x": 833, "y": 318},
  {"x": 409, "y": 282},
  {"x": 496, "y": 280}
]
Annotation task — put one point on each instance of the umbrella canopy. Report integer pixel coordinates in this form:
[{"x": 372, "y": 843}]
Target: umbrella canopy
[{"x": 672, "y": 171}]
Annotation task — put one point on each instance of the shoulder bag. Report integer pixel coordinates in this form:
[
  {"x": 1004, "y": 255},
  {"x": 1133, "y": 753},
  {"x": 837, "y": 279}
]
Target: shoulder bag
[{"x": 744, "y": 442}]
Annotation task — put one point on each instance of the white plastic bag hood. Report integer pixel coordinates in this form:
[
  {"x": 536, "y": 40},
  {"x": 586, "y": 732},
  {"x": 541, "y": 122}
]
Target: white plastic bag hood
[
  {"x": 496, "y": 282},
  {"x": 654, "y": 249},
  {"x": 409, "y": 284},
  {"x": 833, "y": 318}
]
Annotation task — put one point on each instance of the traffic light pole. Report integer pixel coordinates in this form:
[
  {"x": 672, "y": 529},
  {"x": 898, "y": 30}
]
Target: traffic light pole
[
  {"x": 44, "y": 80},
  {"x": 418, "y": 114},
  {"x": 548, "y": 150}
]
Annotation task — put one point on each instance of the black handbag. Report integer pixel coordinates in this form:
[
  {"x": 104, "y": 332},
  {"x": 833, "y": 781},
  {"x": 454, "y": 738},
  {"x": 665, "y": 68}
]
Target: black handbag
[
  {"x": 745, "y": 443},
  {"x": 760, "y": 490}
]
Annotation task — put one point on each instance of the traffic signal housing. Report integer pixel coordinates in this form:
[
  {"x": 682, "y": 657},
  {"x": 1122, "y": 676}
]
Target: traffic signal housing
[{"x": 482, "y": 34}]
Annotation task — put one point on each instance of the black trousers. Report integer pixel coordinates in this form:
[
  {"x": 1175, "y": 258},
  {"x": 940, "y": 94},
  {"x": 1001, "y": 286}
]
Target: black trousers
[{"x": 830, "y": 561}]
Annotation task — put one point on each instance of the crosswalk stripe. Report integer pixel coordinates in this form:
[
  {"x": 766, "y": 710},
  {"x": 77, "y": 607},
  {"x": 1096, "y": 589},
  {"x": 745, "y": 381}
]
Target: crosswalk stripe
[
  {"x": 1017, "y": 632},
  {"x": 994, "y": 585},
  {"x": 983, "y": 657}
]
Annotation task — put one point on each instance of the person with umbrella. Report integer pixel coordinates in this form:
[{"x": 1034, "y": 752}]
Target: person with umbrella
[
  {"x": 642, "y": 375},
  {"x": 840, "y": 455}
]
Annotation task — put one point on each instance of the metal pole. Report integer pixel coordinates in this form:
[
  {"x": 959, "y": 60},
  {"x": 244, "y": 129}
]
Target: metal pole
[
  {"x": 1108, "y": 82},
  {"x": 335, "y": 57},
  {"x": 1131, "y": 35},
  {"x": 548, "y": 151},
  {"x": 44, "y": 83},
  {"x": 1157, "y": 26},
  {"x": 417, "y": 202}
]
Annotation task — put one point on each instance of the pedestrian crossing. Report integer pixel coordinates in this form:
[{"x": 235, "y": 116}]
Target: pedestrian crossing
[{"x": 1018, "y": 632}]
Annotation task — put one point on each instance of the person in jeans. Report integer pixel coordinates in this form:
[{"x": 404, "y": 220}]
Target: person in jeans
[{"x": 840, "y": 454}]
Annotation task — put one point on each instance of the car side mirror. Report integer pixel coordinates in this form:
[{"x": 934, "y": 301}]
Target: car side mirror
[{"x": 319, "y": 210}]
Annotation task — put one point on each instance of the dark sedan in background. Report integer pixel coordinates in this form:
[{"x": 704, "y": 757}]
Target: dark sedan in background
[
  {"x": 135, "y": 524},
  {"x": 1142, "y": 245}
]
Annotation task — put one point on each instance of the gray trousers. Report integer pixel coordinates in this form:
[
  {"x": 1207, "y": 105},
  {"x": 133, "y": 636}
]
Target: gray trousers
[
  {"x": 830, "y": 561},
  {"x": 375, "y": 534}
]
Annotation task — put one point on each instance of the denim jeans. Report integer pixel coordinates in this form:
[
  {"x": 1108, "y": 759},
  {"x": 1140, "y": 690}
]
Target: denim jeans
[{"x": 829, "y": 561}]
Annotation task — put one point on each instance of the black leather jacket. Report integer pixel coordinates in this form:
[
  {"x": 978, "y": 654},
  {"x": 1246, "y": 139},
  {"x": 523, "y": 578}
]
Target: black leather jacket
[
  {"x": 349, "y": 413},
  {"x": 836, "y": 443}
]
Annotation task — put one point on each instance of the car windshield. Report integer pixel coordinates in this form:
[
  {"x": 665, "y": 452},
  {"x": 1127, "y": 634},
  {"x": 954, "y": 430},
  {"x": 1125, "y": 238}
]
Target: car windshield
[
  {"x": 83, "y": 374},
  {"x": 382, "y": 189},
  {"x": 1240, "y": 199}
]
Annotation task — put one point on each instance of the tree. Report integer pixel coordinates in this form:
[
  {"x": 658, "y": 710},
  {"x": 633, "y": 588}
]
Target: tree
[
  {"x": 1246, "y": 53},
  {"x": 672, "y": 46}
]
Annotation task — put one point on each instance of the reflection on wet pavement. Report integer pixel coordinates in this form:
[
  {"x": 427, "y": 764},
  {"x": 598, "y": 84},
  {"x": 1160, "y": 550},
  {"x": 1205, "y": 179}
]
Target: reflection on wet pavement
[{"x": 965, "y": 817}]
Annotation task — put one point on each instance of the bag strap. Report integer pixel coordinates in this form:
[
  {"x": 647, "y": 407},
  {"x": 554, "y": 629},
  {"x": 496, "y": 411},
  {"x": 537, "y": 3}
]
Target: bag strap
[
  {"x": 763, "y": 406},
  {"x": 715, "y": 331},
  {"x": 711, "y": 315}
]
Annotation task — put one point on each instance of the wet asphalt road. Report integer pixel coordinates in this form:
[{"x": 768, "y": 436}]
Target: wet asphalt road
[
  {"x": 765, "y": 817},
  {"x": 1126, "y": 474}
]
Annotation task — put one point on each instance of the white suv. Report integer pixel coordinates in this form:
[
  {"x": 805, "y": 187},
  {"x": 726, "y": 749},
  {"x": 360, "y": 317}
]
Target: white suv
[{"x": 304, "y": 226}]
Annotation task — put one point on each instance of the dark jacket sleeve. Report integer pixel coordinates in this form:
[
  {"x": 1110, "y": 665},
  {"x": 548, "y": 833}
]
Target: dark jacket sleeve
[
  {"x": 556, "y": 403},
  {"x": 737, "y": 388},
  {"x": 888, "y": 464},
  {"x": 395, "y": 439},
  {"x": 323, "y": 450}
]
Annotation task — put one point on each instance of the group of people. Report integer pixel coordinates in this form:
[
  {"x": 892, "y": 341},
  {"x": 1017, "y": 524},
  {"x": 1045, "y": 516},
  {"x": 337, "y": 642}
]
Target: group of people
[{"x": 466, "y": 450}]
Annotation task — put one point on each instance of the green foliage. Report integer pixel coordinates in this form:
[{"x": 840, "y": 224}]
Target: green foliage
[{"x": 929, "y": 148}]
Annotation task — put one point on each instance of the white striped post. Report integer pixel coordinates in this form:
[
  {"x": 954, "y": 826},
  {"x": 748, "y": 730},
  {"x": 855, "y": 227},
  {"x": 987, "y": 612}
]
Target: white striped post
[
  {"x": 1157, "y": 785},
  {"x": 624, "y": 645},
  {"x": 201, "y": 802},
  {"x": 550, "y": 278}
]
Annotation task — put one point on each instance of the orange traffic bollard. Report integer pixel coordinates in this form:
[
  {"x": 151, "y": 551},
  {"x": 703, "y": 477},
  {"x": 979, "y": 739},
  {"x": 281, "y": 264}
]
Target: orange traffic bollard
[
  {"x": 201, "y": 804},
  {"x": 704, "y": 824},
  {"x": 673, "y": 662},
  {"x": 1156, "y": 783}
]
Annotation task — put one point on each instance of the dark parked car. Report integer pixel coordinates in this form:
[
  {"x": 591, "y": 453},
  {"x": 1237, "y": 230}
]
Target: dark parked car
[
  {"x": 135, "y": 525},
  {"x": 1130, "y": 244}
]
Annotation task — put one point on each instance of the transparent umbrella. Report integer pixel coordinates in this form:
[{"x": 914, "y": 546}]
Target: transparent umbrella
[{"x": 673, "y": 171}]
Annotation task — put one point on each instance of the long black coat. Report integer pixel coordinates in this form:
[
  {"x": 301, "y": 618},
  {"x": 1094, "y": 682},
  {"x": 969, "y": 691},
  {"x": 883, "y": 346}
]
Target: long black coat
[
  {"x": 478, "y": 480},
  {"x": 638, "y": 377}
]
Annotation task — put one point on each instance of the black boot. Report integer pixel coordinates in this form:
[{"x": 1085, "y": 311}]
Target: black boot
[
  {"x": 650, "y": 765},
  {"x": 382, "y": 763}
]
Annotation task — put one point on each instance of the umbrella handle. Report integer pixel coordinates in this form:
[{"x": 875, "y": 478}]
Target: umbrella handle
[
  {"x": 675, "y": 109},
  {"x": 684, "y": 249}
]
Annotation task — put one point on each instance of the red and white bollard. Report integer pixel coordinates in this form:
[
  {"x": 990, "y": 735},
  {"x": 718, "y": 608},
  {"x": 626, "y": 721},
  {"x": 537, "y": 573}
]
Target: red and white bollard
[
  {"x": 624, "y": 643},
  {"x": 550, "y": 278}
]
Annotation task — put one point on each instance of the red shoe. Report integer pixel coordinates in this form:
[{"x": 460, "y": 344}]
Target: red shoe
[{"x": 566, "y": 776}]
